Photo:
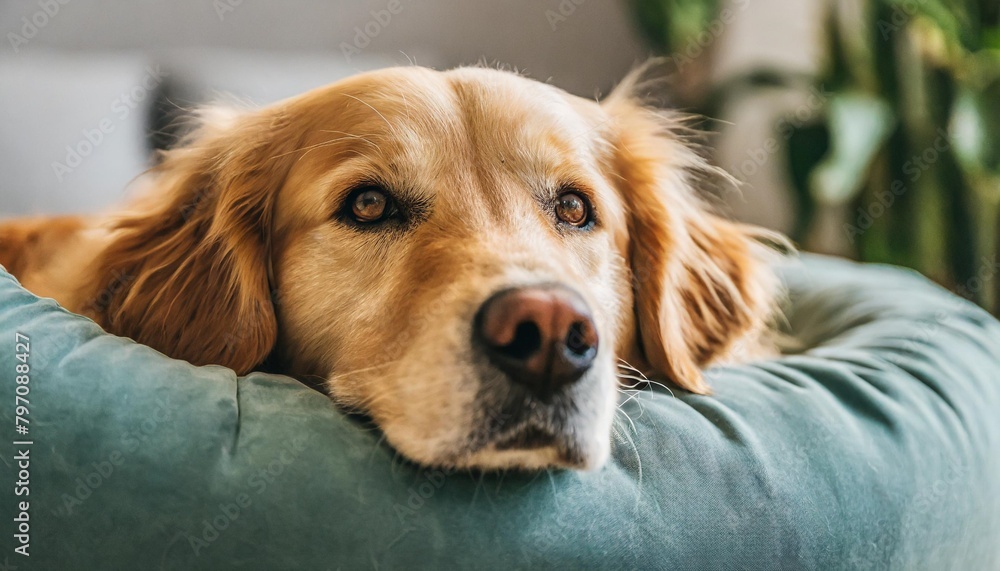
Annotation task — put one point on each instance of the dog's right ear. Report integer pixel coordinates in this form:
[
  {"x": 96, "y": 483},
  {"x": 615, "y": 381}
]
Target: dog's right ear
[{"x": 187, "y": 269}]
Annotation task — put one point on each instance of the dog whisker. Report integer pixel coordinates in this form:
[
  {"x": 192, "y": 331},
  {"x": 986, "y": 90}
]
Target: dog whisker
[
  {"x": 638, "y": 461},
  {"x": 376, "y": 448},
  {"x": 353, "y": 136},
  {"x": 661, "y": 385},
  {"x": 309, "y": 148},
  {"x": 628, "y": 418},
  {"x": 638, "y": 382},
  {"x": 626, "y": 365},
  {"x": 555, "y": 489},
  {"x": 377, "y": 112},
  {"x": 633, "y": 396},
  {"x": 645, "y": 381},
  {"x": 633, "y": 387}
]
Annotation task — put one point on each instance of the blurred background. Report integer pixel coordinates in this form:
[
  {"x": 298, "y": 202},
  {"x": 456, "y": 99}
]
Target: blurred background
[{"x": 865, "y": 128}]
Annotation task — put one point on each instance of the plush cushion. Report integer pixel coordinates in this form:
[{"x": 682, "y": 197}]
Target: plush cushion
[{"x": 875, "y": 448}]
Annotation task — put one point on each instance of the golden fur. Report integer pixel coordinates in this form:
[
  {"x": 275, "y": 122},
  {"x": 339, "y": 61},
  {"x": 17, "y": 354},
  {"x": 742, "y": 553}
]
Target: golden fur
[{"x": 234, "y": 253}]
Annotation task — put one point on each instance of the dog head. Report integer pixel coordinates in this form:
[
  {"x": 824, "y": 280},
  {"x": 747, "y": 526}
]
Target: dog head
[{"x": 465, "y": 256}]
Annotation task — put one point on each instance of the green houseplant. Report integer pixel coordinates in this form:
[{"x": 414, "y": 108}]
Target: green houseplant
[{"x": 907, "y": 142}]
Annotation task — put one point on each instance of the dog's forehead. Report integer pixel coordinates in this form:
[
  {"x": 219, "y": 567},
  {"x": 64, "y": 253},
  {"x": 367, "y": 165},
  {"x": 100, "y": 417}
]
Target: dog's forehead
[
  {"x": 500, "y": 105},
  {"x": 420, "y": 113}
]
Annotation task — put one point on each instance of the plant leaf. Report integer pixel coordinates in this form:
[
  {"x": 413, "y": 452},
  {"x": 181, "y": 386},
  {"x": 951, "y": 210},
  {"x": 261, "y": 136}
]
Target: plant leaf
[
  {"x": 975, "y": 122},
  {"x": 807, "y": 145},
  {"x": 859, "y": 127},
  {"x": 672, "y": 25}
]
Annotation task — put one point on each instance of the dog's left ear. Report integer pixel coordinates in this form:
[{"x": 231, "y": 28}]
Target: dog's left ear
[{"x": 700, "y": 283}]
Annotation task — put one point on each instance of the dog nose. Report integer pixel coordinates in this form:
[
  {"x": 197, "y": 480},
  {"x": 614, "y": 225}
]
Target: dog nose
[{"x": 542, "y": 337}]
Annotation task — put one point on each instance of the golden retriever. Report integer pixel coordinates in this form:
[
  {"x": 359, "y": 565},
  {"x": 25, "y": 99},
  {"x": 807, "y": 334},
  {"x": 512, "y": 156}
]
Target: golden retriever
[{"x": 465, "y": 256}]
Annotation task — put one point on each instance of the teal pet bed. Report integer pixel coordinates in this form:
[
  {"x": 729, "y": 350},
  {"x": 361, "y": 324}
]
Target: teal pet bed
[{"x": 876, "y": 447}]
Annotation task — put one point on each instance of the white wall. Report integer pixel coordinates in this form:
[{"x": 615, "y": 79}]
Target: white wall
[
  {"x": 590, "y": 46},
  {"x": 588, "y": 51}
]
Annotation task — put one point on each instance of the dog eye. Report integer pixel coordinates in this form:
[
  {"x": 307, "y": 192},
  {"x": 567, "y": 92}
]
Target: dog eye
[
  {"x": 370, "y": 204},
  {"x": 573, "y": 209}
]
